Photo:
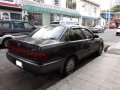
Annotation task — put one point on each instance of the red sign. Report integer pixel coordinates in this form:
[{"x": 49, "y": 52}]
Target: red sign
[{"x": 10, "y": 5}]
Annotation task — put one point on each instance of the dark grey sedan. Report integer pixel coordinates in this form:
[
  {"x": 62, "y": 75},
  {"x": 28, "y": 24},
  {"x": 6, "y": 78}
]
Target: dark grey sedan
[
  {"x": 53, "y": 48},
  {"x": 97, "y": 29}
]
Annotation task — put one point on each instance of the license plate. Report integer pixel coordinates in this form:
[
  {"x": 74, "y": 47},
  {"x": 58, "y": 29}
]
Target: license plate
[{"x": 18, "y": 63}]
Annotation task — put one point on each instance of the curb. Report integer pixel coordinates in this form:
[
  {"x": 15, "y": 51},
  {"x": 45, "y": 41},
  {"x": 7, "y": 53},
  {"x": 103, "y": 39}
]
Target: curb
[{"x": 106, "y": 48}]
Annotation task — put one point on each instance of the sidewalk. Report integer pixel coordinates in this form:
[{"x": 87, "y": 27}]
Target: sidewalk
[
  {"x": 114, "y": 49},
  {"x": 102, "y": 73}
]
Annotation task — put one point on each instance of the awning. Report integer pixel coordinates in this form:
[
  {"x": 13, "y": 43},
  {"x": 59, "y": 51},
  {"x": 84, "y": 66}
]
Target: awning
[
  {"x": 11, "y": 8},
  {"x": 35, "y": 9}
]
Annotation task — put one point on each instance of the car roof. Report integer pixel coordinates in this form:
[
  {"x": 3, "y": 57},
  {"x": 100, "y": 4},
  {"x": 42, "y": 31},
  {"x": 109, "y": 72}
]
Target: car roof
[
  {"x": 60, "y": 22},
  {"x": 64, "y": 21},
  {"x": 69, "y": 26},
  {"x": 12, "y": 21}
]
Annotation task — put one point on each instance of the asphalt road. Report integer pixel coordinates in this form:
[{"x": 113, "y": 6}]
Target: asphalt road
[
  {"x": 109, "y": 37},
  {"x": 14, "y": 78}
]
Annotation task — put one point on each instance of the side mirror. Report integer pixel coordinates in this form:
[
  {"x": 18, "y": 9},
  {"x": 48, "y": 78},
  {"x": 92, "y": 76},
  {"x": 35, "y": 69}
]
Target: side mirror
[{"x": 96, "y": 36}]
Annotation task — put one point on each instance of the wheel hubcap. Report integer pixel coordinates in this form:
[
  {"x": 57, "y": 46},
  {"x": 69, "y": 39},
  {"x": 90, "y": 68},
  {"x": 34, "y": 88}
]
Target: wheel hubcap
[
  {"x": 6, "y": 43},
  {"x": 70, "y": 66}
]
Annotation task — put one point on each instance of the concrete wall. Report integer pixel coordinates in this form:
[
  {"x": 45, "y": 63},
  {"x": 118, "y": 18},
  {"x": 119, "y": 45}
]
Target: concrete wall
[
  {"x": 63, "y": 3},
  {"x": 87, "y": 9},
  {"x": 49, "y": 2}
]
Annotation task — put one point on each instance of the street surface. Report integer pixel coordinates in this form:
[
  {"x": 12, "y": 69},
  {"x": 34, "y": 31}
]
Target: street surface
[
  {"x": 14, "y": 78},
  {"x": 109, "y": 37}
]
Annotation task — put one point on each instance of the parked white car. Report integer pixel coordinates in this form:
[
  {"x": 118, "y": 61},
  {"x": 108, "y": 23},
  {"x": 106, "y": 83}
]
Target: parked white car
[
  {"x": 118, "y": 31},
  {"x": 97, "y": 29}
]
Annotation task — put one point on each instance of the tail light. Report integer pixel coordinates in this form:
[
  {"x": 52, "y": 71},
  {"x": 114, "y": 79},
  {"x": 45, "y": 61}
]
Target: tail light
[
  {"x": 33, "y": 55},
  {"x": 39, "y": 56}
]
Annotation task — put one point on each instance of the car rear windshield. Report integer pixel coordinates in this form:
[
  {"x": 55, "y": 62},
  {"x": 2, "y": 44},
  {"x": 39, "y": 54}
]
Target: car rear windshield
[
  {"x": 97, "y": 26},
  {"x": 48, "y": 32}
]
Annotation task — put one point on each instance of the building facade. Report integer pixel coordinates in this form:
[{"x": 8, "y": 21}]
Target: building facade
[
  {"x": 42, "y": 12},
  {"x": 116, "y": 2},
  {"x": 85, "y": 12},
  {"x": 89, "y": 11},
  {"x": 10, "y": 9},
  {"x": 112, "y": 17}
]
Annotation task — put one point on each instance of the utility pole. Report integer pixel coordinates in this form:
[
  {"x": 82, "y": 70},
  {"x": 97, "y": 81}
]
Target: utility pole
[{"x": 110, "y": 5}]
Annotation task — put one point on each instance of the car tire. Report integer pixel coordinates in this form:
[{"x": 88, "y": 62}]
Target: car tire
[
  {"x": 69, "y": 66},
  {"x": 4, "y": 43},
  {"x": 116, "y": 34},
  {"x": 99, "y": 51}
]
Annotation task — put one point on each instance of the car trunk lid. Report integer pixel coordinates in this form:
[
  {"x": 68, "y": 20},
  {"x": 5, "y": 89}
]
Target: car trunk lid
[{"x": 26, "y": 50}]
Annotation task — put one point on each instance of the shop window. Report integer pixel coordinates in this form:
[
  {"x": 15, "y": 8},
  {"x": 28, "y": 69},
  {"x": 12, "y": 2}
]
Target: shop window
[
  {"x": 15, "y": 16},
  {"x": 5, "y": 16},
  {"x": 51, "y": 17},
  {"x": 58, "y": 17},
  {"x": 56, "y": 2},
  {"x": 35, "y": 19},
  {"x": 41, "y": 1}
]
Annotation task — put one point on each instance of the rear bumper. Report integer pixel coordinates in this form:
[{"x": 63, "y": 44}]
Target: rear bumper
[
  {"x": 117, "y": 33},
  {"x": 35, "y": 67}
]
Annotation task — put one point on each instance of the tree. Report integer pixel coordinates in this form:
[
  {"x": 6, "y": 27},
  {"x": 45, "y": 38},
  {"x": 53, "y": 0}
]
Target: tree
[{"x": 116, "y": 8}]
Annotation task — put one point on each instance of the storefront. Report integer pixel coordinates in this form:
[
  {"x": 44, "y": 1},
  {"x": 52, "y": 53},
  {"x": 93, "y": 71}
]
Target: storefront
[
  {"x": 44, "y": 14},
  {"x": 90, "y": 21},
  {"x": 9, "y": 11}
]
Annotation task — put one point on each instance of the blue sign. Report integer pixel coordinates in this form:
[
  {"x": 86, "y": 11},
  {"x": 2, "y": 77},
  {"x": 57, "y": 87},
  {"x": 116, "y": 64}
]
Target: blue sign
[{"x": 107, "y": 16}]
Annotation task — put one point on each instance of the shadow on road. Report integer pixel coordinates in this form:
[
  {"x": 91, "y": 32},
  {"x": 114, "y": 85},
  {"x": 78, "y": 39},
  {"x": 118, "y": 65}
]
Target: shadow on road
[
  {"x": 1, "y": 47},
  {"x": 15, "y": 78}
]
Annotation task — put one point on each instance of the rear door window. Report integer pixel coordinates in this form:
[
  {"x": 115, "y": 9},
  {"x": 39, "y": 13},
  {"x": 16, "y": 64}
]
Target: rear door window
[
  {"x": 76, "y": 34},
  {"x": 28, "y": 26},
  {"x": 5, "y": 25},
  {"x": 19, "y": 25}
]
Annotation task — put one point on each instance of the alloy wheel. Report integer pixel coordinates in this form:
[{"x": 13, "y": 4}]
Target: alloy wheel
[{"x": 70, "y": 65}]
